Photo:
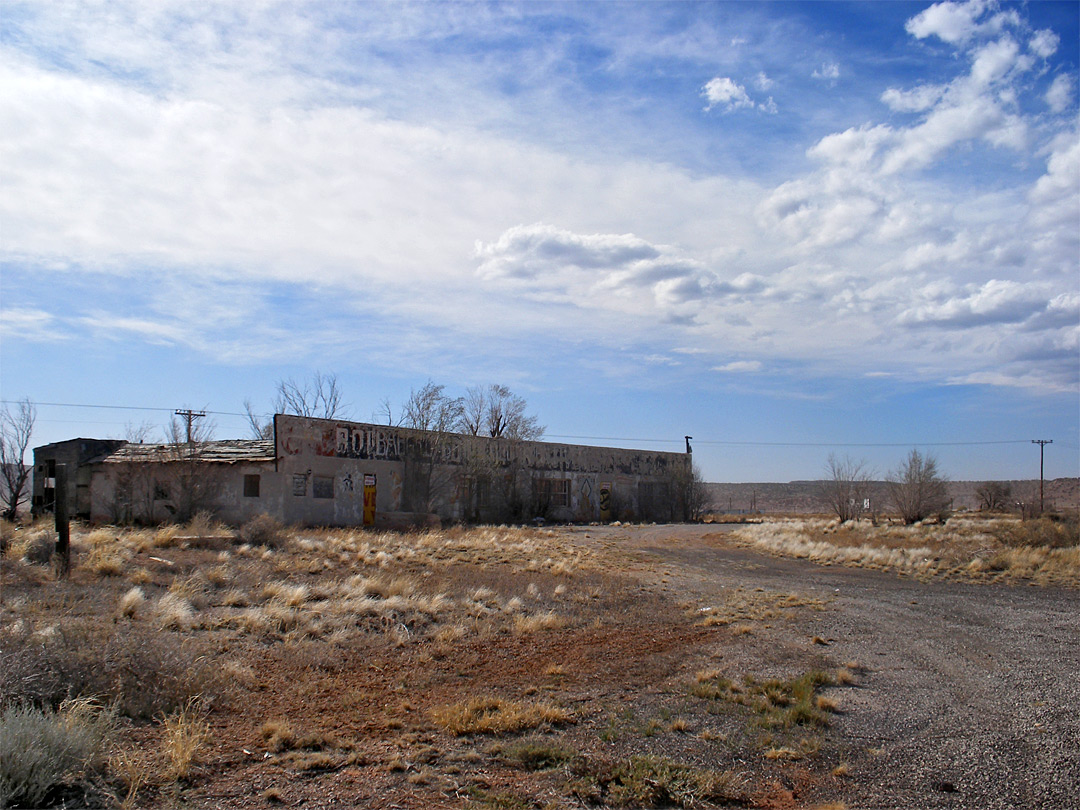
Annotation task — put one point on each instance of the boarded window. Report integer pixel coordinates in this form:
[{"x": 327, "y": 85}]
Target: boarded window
[
  {"x": 299, "y": 485},
  {"x": 251, "y": 486},
  {"x": 554, "y": 491},
  {"x": 322, "y": 486}
]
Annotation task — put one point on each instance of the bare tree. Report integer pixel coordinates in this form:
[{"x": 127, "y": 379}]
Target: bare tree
[
  {"x": 691, "y": 494},
  {"x": 260, "y": 427},
  {"x": 431, "y": 408},
  {"x": 918, "y": 490},
  {"x": 994, "y": 496},
  {"x": 428, "y": 479},
  {"x": 138, "y": 433},
  {"x": 846, "y": 487},
  {"x": 15, "y": 432},
  {"x": 496, "y": 411},
  {"x": 318, "y": 397}
]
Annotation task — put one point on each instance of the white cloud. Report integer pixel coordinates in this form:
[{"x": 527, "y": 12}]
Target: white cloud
[
  {"x": 829, "y": 71},
  {"x": 995, "y": 302},
  {"x": 951, "y": 22},
  {"x": 724, "y": 91},
  {"x": 1061, "y": 95},
  {"x": 30, "y": 324},
  {"x": 739, "y": 367},
  {"x": 1044, "y": 43},
  {"x": 917, "y": 99},
  {"x": 733, "y": 96},
  {"x": 233, "y": 167}
]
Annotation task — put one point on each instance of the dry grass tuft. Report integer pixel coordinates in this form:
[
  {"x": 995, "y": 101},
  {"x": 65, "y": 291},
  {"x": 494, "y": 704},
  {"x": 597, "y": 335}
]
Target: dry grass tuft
[
  {"x": 186, "y": 732},
  {"x": 131, "y": 601},
  {"x": 531, "y": 623},
  {"x": 487, "y": 715},
  {"x": 174, "y": 612}
]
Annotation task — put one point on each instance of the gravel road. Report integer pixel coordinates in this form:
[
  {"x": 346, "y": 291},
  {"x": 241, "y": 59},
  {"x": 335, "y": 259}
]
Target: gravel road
[{"x": 972, "y": 695}]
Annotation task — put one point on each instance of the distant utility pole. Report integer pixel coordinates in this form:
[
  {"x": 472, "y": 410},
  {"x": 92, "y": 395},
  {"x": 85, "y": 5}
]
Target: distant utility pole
[
  {"x": 1042, "y": 446},
  {"x": 189, "y": 417}
]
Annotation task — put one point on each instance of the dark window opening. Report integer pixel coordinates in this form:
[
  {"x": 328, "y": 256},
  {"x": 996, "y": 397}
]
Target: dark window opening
[
  {"x": 251, "y": 486},
  {"x": 556, "y": 491},
  {"x": 322, "y": 486}
]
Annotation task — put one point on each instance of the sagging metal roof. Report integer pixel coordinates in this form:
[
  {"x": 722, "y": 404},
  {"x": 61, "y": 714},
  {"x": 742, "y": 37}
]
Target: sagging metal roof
[{"x": 226, "y": 451}]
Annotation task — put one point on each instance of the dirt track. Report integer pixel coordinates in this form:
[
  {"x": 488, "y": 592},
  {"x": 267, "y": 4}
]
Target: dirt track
[{"x": 970, "y": 699}]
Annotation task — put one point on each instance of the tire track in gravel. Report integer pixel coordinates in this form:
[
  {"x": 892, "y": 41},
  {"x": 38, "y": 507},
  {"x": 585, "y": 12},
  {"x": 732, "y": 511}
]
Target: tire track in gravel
[{"x": 971, "y": 697}]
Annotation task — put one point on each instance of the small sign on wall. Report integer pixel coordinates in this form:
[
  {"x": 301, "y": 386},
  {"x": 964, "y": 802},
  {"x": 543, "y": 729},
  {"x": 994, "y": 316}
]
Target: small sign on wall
[{"x": 369, "y": 499}]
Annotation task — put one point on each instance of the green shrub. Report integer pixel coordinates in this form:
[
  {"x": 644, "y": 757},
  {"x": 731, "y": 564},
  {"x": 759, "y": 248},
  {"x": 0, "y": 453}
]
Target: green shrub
[
  {"x": 536, "y": 754},
  {"x": 651, "y": 781},
  {"x": 43, "y": 751}
]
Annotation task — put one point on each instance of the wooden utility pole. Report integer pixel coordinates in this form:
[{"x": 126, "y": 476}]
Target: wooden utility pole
[
  {"x": 63, "y": 527},
  {"x": 1042, "y": 446},
  {"x": 189, "y": 416}
]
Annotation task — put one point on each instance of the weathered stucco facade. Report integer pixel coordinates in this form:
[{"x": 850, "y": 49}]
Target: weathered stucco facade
[{"x": 338, "y": 473}]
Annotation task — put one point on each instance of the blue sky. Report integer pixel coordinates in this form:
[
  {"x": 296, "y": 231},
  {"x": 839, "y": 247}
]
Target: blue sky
[{"x": 786, "y": 229}]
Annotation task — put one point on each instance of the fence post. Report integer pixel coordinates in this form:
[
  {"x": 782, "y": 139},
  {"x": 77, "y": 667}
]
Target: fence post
[{"x": 63, "y": 528}]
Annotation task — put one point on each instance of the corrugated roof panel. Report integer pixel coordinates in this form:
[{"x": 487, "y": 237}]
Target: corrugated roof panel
[{"x": 227, "y": 451}]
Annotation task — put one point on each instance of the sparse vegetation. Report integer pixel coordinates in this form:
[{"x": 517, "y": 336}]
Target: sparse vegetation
[
  {"x": 651, "y": 781},
  {"x": 578, "y": 660},
  {"x": 262, "y": 530},
  {"x": 971, "y": 548},
  {"x": 778, "y": 703},
  {"x": 490, "y": 715},
  {"x": 43, "y": 750}
]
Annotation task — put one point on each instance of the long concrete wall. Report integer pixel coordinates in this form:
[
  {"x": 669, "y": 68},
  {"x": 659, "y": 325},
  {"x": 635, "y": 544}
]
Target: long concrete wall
[{"x": 458, "y": 477}]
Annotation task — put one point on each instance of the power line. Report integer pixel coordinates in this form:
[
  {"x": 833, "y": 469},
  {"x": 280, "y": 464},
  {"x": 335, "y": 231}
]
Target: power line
[
  {"x": 636, "y": 439},
  {"x": 117, "y": 407}
]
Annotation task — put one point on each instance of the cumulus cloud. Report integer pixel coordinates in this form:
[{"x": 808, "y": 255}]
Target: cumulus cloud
[
  {"x": 726, "y": 92},
  {"x": 995, "y": 302},
  {"x": 950, "y": 22},
  {"x": 235, "y": 167},
  {"x": 1044, "y": 43}
]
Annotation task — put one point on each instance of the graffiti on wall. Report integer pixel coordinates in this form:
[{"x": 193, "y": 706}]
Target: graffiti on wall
[{"x": 361, "y": 441}]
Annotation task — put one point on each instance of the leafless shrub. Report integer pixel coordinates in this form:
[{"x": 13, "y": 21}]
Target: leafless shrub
[
  {"x": 1049, "y": 531},
  {"x": 144, "y": 673},
  {"x": 845, "y": 488},
  {"x": 263, "y": 530},
  {"x": 918, "y": 489}
]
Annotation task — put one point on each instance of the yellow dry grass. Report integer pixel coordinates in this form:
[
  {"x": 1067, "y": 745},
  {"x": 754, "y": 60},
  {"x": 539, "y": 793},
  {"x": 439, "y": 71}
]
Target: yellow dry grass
[
  {"x": 971, "y": 548},
  {"x": 490, "y": 715}
]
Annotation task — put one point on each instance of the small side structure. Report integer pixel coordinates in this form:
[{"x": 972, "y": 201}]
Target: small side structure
[{"x": 337, "y": 473}]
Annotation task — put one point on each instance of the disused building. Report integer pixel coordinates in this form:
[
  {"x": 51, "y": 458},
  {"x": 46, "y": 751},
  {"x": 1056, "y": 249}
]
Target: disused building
[{"x": 338, "y": 473}]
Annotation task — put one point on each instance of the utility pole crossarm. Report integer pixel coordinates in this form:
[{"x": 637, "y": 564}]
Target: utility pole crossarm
[{"x": 189, "y": 416}]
